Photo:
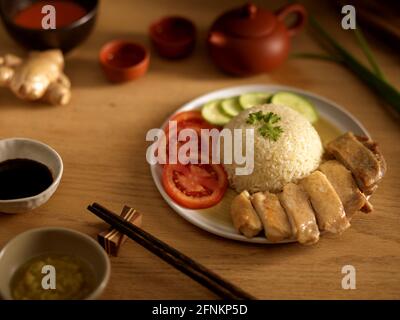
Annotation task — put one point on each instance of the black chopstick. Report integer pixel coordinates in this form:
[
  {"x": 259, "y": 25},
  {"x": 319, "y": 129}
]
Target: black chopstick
[{"x": 188, "y": 266}]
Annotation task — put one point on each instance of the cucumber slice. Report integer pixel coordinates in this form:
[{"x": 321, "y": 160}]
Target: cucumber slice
[
  {"x": 296, "y": 102},
  {"x": 231, "y": 106},
  {"x": 252, "y": 99},
  {"x": 211, "y": 112}
]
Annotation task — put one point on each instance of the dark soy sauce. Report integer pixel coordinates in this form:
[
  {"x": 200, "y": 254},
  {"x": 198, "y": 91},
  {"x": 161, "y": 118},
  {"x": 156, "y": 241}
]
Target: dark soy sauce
[{"x": 22, "y": 178}]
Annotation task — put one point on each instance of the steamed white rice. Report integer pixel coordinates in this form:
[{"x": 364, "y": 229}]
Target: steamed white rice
[{"x": 294, "y": 155}]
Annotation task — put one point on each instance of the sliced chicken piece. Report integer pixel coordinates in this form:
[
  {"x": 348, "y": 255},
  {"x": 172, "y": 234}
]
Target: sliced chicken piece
[
  {"x": 342, "y": 181},
  {"x": 244, "y": 217},
  {"x": 362, "y": 158},
  {"x": 273, "y": 216},
  {"x": 326, "y": 203},
  {"x": 373, "y": 146},
  {"x": 301, "y": 216}
]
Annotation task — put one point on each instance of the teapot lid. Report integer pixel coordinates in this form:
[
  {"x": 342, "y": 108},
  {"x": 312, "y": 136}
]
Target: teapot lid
[{"x": 247, "y": 21}]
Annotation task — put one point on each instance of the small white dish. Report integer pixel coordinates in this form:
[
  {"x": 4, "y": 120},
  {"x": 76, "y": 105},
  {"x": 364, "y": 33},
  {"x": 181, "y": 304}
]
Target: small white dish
[
  {"x": 52, "y": 240},
  {"x": 329, "y": 110},
  {"x": 22, "y": 148}
]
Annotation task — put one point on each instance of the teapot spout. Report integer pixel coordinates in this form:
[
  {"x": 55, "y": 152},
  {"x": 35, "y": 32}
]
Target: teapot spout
[{"x": 217, "y": 38}]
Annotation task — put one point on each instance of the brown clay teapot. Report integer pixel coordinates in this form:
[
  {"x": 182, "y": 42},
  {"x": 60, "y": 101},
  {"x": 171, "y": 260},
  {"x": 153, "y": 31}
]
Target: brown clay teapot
[{"x": 251, "y": 40}]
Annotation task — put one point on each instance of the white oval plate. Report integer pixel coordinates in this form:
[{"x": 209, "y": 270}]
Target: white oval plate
[{"x": 329, "y": 110}]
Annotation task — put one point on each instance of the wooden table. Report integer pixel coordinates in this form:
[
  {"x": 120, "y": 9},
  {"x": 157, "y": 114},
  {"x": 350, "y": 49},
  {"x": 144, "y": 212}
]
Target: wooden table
[{"x": 101, "y": 138}]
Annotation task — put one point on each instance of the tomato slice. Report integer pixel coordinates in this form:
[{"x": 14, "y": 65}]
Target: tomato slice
[
  {"x": 195, "y": 186},
  {"x": 188, "y": 120},
  {"x": 193, "y": 116}
]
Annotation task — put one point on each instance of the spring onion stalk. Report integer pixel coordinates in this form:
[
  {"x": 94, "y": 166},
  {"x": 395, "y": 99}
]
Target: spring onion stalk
[
  {"x": 368, "y": 53},
  {"x": 386, "y": 91}
]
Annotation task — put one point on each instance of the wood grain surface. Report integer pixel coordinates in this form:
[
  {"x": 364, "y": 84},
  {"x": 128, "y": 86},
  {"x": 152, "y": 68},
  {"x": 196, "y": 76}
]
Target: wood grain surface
[{"x": 101, "y": 138}]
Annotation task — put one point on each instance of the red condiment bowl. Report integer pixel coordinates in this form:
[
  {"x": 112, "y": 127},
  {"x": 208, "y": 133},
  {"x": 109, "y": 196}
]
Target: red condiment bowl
[
  {"x": 65, "y": 37},
  {"x": 173, "y": 37},
  {"x": 124, "y": 60}
]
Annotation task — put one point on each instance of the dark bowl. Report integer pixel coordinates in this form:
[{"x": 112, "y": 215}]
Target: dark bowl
[
  {"x": 65, "y": 38},
  {"x": 173, "y": 37}
]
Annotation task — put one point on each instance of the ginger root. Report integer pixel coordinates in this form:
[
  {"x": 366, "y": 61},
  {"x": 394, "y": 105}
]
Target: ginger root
[{"x": 39, "y": 77}]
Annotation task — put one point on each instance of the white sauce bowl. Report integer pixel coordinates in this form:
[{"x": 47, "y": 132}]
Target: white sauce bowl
[{"x": 36, "y": 242}]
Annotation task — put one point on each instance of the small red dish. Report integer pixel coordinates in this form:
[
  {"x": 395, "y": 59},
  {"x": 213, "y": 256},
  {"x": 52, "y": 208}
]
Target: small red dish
[
  {"x": 124, "y": 60},
  {"x": 173, "y": 37}
]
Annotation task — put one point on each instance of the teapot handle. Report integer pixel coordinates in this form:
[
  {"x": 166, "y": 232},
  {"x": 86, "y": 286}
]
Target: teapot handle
[{"x": 301, "y": 17}]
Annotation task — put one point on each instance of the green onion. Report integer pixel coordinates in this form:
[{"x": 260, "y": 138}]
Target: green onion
[
  {"x": 387, "y": 92},
  {"x": 367, "y": 51}
]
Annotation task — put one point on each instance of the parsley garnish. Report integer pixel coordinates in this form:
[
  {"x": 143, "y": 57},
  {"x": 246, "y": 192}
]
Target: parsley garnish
[{"x": 267, "y": 121}]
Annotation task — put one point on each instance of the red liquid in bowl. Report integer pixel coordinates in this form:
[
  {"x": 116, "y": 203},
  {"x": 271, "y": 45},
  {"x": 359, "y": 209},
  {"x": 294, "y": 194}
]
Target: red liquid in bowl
[{"x": 67, "y": 12}]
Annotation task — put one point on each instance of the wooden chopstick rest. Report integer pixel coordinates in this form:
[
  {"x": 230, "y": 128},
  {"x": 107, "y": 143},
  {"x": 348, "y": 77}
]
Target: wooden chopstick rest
[{"x": 112, "y": 240}]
